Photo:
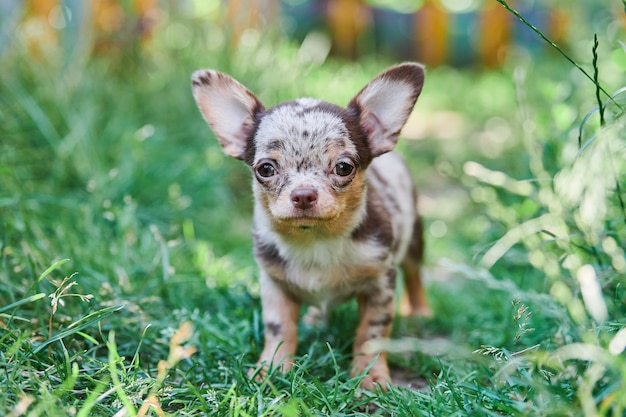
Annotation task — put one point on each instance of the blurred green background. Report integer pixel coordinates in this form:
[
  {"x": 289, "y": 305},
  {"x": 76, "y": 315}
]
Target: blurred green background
[{"x": 104, "y": 160}]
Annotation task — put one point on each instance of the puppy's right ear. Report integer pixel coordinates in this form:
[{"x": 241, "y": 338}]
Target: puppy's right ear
[{"x": 228, "y": 107}]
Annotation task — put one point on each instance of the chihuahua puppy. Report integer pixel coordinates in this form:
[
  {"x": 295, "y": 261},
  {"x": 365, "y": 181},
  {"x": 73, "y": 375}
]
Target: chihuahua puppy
[{"x": 335, "y": 208}]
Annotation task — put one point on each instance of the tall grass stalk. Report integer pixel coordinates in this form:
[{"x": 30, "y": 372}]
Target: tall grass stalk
[
  {"x": 555, "y": 47},
  {"x": 596, "y": 72}
]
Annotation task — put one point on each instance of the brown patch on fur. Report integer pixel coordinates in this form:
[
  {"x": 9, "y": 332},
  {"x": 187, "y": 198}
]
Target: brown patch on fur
[
  {"x": 250, "y": 151},
  {"x": 266, "y": 251},
  {"x": 414, "y": 301},
  {"x": 358, "y": 136},
  {"x": 365, "y": 271},
  {"x": 385, "y": 320},
  {"x": 377, "y": 224},
  {"x": 274, "y": 328},
  {"x": 383, "y": 298},
  {"x": 269, "y": 257},
  {"x": 391, "y": 279}
]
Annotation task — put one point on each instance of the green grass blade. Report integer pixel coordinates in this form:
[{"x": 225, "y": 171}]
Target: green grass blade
[
  {"x": 114, "y": 358},
  {"x": 70, "y": 382},
  {"x": 596, "y": 81},
  {"x": 52, "y": 268},
  {"x": 23, "y": 301},
  {"x": 81, "y": 324},
  {"x": 38, "y": 114},
  {"x": 92, "y": 399}
]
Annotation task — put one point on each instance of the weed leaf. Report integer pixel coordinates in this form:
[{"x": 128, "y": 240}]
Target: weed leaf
[
  {"x": 52, "y": 268},
  {"x": 23, "y": 301},
  {"x": 81, "y": 324}
]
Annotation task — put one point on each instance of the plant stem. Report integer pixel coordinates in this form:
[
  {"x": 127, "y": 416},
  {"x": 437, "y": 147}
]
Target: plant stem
[
  {"x": 596, "y": 71},
  {"x": 555, "y": 46}
]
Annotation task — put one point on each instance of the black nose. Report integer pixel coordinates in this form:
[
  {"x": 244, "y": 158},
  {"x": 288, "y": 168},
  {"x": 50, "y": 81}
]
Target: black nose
[{"x": 304, "y": 198}]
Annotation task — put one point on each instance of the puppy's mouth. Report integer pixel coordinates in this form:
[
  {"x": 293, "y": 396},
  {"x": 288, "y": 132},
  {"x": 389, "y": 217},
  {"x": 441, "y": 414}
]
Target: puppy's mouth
[{"x": 304, "y": 222}]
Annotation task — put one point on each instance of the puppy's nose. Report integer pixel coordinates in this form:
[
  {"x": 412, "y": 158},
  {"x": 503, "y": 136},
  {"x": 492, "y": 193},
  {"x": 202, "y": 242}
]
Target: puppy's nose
[{"x": 304, "y": 198}]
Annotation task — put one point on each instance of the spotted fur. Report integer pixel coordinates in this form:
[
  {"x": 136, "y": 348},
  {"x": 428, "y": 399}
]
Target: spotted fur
[{"x": 335, "y": 208}]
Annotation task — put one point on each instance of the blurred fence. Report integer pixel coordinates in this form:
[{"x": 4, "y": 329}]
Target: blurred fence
[
  {"x": 95, "y": 25},
  {"x": 457, "y": 32},
  {"x": 432, "y": 31}
]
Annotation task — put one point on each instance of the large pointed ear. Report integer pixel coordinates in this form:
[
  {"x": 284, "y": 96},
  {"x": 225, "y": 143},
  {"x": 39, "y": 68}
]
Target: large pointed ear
[
  {"x": 385, "y": 103},
  {"x": 228, "y": 107}
]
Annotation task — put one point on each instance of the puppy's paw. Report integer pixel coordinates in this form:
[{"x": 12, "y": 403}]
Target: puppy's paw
[
  {"x": 423, "y": 311},
  {"x": 419, "y": 310},
  {"x": 258, "y": 373},
  {"x": 377, "y": 375},
  {"x": 374, "y": 380}
]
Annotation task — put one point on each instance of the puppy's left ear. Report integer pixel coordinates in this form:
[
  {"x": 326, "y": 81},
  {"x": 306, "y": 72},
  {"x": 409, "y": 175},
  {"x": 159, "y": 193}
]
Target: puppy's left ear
[{"x": 385, "y": 103}]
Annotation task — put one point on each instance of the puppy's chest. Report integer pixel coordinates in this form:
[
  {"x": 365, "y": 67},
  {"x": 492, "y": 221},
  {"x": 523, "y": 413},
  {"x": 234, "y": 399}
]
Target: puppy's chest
[{"x": 327, "y": 273}]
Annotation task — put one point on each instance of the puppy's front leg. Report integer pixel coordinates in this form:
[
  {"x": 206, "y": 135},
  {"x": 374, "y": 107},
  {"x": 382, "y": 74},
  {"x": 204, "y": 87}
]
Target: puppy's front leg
[
  {"x": 280, "y": 316},
  {"x": 376, "y": 311}
]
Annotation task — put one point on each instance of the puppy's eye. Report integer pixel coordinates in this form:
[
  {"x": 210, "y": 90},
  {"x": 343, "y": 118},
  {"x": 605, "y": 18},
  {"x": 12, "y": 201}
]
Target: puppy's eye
[
  {"x": 343, "y": 169},
  {"x": 266, "y": 170}
]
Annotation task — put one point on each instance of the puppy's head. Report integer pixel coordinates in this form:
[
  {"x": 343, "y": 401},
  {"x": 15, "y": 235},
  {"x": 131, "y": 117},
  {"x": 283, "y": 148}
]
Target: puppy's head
[{"x": 308, "y": 156}]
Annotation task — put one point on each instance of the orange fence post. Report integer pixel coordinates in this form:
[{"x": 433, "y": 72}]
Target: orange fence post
[
  {"x": 494, "y": 36},
  {"x": 347, "y": 20},
  {"x": 431, "y": 33}
]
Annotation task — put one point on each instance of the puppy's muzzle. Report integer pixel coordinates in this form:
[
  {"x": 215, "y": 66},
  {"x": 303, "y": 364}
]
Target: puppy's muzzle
[{"x": 304, "y": 198}]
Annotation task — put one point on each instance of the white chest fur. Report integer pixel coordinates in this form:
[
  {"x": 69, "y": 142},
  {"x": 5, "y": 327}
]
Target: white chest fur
[{"x": 326, "y": 272}]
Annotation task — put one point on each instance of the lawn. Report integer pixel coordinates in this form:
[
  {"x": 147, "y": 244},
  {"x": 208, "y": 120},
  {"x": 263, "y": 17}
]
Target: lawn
[{"x": 127, "y": 283}]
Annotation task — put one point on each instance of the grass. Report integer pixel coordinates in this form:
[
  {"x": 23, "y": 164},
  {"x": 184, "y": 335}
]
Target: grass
[{"x": 127, "y": 285}]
